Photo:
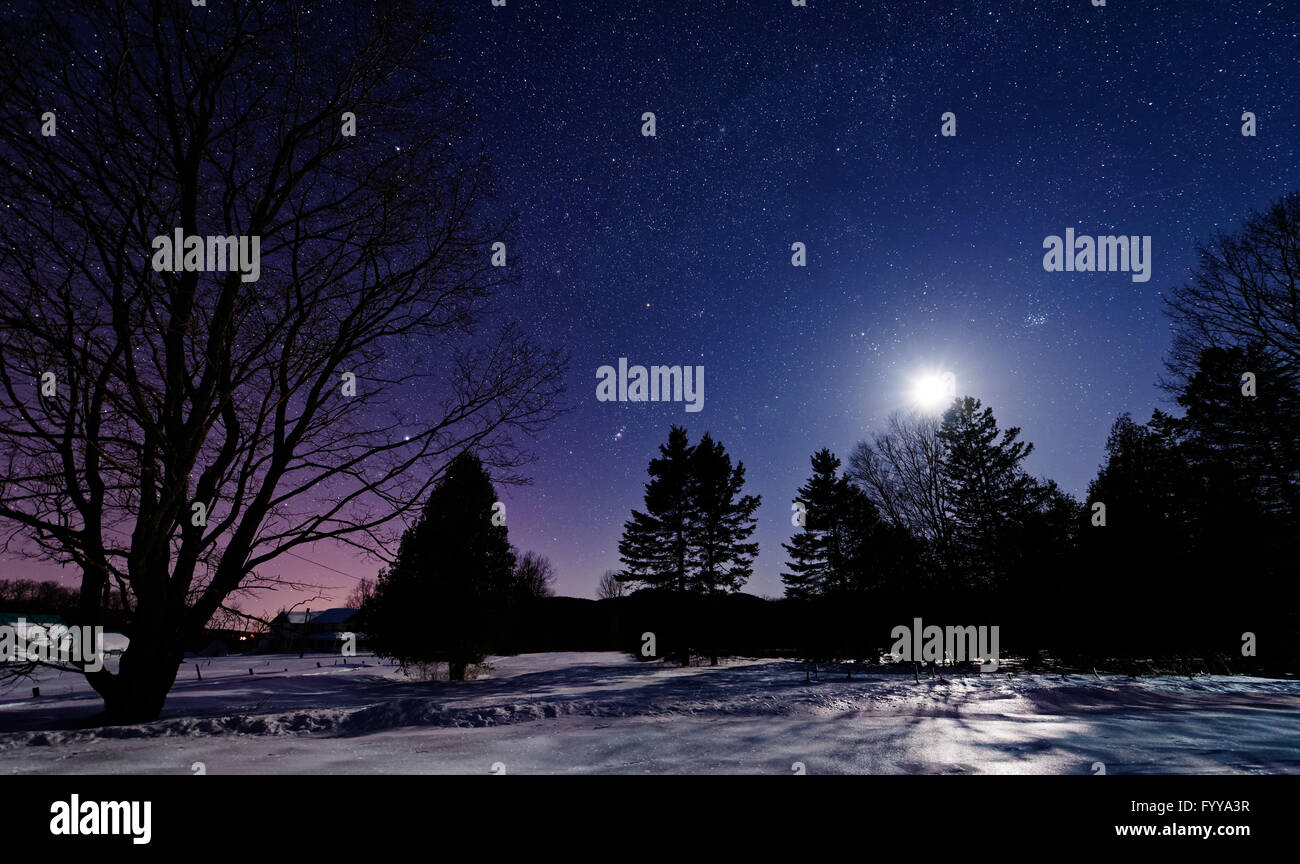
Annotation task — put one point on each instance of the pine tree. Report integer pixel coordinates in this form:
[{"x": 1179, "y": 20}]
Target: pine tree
[
  {"x": 454, "y": 570},
  {"x": 821, "y": 553},
  {"x": 655, "y": 549},
  {"x": 987, "y": 489},
  {"x": 694, "y": 534},
  {"x": 844, "y": 546},
  {"x": 1256, "y": 437},
  {"x": 721, "y": 520}
]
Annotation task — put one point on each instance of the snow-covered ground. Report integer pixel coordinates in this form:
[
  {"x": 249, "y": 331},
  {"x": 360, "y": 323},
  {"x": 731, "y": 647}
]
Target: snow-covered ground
[{"x": 607, "y": 713}]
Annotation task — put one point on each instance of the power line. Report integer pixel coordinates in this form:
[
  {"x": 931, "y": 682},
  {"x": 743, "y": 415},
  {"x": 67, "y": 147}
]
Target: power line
[
  {"x": 282, "y": 552},
  {"x": 326, "y": 566}
]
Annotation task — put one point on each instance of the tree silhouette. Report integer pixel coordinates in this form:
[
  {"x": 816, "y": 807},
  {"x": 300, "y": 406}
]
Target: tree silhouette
[
  {"x": 454, "y": 572},
  {"x": 655, "y": 548},
  {"x": 987, "y": 489},
  {"x": 722, "y": 519},
  {"x": 177, "y": 389},
  {"x": 901, "y": 471},
  {"x": 1243, "y": 290},
  {"x": 609, "y": 586},
  {"x": 824, "y": 553},
  {"x": 694, "y": 533}
]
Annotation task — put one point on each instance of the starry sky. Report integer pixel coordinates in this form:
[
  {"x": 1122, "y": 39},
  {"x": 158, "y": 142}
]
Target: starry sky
[
  {"x": 778, "y": 124},
  {"x": 821, "y": 125}
]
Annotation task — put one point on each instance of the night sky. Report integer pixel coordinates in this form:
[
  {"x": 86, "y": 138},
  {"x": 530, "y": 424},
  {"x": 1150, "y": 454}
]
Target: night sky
[{"x": 821, "y": 125}]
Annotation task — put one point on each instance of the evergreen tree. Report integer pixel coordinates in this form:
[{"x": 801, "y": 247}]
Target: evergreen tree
[
  {"x": 822, "y": 553},
  {"x": 693, "y": 538},
  {"x": 1239, "y": 481},
  {"x": 694, "y": 533},
  {"x": 1143, "y": 555},
  {"x": 655, "y": 549},
  {"x": 1138, "y": 482},
  {"x": 1255, "y": 437},
  {"x": 721, "y": 520},
  {"x": 844, "y": 545},
  {"x": 454, "y": 570},
  {"x": 1189, "y": 499},
  {"x": 987, "y": 489}
]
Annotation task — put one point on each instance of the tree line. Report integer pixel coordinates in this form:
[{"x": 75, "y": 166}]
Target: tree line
[
  {"x": 1186, "y": 541},
  {"x": 171, "y": 436}
]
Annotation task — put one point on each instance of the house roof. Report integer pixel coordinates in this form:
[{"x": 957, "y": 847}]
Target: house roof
[
  {"x": 324, "y": 616},
  {"x": 330, "y": 637},
  {"x": 10, "y": 619}
]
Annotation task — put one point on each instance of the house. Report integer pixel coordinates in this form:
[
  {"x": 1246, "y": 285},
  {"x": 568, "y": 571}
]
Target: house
[
  {"x": 36, "y": 628},
  {"x": 28, "y": 629},
  {"x": 221, "y": 642},
  {"x": 31, "y": 620},
  {"x": 327, "y": 630}
]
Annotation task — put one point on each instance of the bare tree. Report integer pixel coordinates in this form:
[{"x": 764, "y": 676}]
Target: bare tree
[
  {"x": 1245, "y": 289},
  {"x": 609, "y": 586},
  {"x": 534, "y": 576},
  {"x": 172, "y": 434},
  {"x": 361, "y": 592},
  {"x": 901, "y": 471}
]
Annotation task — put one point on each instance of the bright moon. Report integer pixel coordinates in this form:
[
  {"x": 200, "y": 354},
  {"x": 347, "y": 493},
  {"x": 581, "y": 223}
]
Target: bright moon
[{"x": 933, "y": 391}]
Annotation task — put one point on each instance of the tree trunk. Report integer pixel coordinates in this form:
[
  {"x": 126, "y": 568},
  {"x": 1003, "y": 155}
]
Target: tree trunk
[
  {"x": 456, "y": 669},
  {"x": 137, "y": 693}
]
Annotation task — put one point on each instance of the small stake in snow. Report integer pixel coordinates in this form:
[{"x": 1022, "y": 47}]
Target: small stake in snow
[
  {"x": 36, "y": 691},
  {"x": 198, "y": 671},
  {"x": 250, "y": 670}
]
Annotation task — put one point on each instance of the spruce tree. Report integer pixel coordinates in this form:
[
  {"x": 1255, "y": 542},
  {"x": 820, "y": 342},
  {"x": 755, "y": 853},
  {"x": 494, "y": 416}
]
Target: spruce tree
[
  {"x": 844, "y": 546},
  {"x": 694, "y": 534},
  {"x": 821, "y": 552},
  {"x": 987, "y": 489},
  {"x": 454, "y": 570},
  {"x": 1254, "y": 435},
  {"x": 655, "y": 549},
  {"x": 721, "y": 520}
]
